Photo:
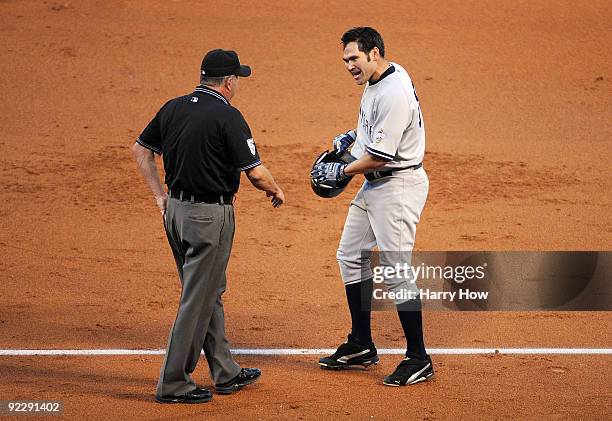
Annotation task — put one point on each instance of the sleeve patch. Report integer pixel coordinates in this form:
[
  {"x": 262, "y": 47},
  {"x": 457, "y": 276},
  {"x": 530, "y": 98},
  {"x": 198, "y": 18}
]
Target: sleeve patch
[
  {"x": 379, "y": 136},
  {"x": 251, "y": 144}
]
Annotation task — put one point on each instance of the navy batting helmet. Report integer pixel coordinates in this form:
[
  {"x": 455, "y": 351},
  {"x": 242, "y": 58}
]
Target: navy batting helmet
[{"x": 327, "y": 191}]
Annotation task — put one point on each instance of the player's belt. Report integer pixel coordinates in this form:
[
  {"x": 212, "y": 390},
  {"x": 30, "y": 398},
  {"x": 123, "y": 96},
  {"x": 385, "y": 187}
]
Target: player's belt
[
  {"x": 221, "y": 199},
  {"x": 377, "y": 175}
]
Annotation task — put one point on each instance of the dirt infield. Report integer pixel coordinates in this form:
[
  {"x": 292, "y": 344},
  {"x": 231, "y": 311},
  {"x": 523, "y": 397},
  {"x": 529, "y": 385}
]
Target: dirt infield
[{"x": 516, "y": 98}]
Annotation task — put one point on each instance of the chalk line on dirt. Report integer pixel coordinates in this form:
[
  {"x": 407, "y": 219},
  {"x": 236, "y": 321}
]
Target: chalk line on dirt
[{"x": 315, "y": 351}]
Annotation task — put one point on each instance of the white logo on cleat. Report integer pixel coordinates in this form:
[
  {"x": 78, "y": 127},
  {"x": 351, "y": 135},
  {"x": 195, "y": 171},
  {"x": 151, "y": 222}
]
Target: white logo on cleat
[
  {"x": 416, "y": 375},
  {"x": 344, "y": 359}
]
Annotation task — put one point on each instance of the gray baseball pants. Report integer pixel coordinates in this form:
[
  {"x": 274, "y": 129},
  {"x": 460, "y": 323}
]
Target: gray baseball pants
[
  {"x": 201, "y": 236},
  {"x": 384, "y": 213}
]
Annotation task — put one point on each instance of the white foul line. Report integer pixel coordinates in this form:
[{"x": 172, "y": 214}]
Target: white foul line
[{"x": 318, "y": 351}]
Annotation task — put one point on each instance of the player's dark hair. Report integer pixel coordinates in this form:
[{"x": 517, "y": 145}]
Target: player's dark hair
[{"x": 366, "y": 39}]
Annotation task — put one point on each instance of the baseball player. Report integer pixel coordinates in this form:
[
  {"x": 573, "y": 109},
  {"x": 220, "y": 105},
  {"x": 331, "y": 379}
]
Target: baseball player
[{"x": 389, "y": 144}]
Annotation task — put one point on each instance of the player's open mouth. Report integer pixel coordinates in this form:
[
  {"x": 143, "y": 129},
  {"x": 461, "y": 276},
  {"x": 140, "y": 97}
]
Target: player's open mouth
[{"x": 356, "y": 74}]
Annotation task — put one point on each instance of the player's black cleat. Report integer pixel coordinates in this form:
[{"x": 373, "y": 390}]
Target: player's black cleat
[
  {"x": 410, "y": 371},
  {"x": 350, "y": 354}
]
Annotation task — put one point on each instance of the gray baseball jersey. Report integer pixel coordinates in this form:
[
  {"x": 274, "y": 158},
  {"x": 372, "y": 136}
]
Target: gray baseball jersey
[{"x": 390, "y": 122}]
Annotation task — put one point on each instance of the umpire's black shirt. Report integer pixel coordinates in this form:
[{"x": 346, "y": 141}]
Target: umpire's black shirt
[{"x": 204, "y": 141}]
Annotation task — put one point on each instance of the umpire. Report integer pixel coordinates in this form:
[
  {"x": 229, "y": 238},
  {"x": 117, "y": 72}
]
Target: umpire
[{"x": 205, "y": 144}]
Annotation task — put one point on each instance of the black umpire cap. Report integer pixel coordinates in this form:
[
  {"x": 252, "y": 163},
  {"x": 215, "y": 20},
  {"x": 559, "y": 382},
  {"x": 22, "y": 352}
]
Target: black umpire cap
[{"x": 217, "y": 63}]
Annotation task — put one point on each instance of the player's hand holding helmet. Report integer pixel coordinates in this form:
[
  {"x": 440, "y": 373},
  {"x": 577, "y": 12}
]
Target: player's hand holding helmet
[
  {"x": 327, "y": 177},
  {"x": 329, "y": 173},
  {"x": 344, "y": 141}
]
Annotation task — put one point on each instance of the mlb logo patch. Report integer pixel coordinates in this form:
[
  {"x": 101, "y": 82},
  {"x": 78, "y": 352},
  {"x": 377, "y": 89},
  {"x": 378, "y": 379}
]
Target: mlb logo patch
[{"x": 194, "y": 99}]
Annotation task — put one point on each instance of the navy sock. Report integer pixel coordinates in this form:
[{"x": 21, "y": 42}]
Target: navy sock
[
  {"x": 412, "y": 323},
  {"x": 359, "y": 297}
]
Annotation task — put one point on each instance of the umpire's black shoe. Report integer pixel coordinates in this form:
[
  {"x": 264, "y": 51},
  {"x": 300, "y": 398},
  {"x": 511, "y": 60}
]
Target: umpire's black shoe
[
  {"x": 350, "y": 354},
  {"x": 410, "y": 371},
  {"x": 246, "y": 376},
  {"x": 199, "y": 395}
]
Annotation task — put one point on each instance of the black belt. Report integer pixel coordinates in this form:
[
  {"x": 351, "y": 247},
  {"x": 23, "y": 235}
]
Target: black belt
[
  {"x": 221, "y": 199},
  {"x": 376, "y": 175}
]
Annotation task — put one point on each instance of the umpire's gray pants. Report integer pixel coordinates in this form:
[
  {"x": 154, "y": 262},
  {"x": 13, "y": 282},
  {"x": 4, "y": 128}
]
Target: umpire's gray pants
[{"x": 201, "y": 237}]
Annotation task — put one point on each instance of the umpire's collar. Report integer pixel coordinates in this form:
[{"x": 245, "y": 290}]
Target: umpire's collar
[{"x": 211, "y": 92}]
